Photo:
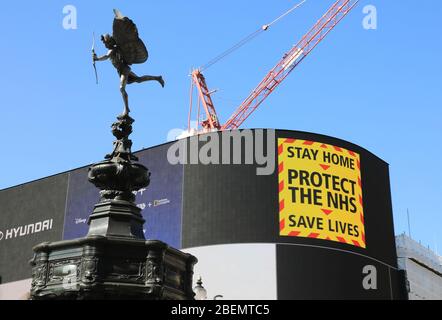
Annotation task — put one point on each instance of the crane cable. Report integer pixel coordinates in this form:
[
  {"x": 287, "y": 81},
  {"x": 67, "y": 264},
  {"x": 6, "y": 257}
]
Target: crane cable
[{"x": 249, "y": 38}]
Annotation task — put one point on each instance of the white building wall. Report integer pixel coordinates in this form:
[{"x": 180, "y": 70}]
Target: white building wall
[
  {"x": 423, "y": 267},
  {"x": 18, "y": 290},
  {"x": 237, "y": 271}
]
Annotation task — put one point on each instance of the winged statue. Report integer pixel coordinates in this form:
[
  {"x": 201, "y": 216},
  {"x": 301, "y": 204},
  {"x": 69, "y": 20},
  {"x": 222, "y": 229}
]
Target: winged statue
[{"x": 124, "y": 49}]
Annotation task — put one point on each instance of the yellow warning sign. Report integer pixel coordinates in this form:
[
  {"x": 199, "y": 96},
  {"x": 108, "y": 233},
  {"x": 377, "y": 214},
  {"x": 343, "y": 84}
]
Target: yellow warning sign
[{"x": 320, "y": 192}]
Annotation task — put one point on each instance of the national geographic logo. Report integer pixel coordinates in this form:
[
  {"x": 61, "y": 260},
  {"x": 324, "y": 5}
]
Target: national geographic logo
[{"x": 26, "y": 230}]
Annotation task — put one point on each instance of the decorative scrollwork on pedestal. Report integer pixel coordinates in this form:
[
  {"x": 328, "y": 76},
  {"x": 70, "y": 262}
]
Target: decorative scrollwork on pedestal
[
  {"x": 39, "y": 276},
  {"x": 89, "y": 270},
  {"x": 154, "y": 273}
]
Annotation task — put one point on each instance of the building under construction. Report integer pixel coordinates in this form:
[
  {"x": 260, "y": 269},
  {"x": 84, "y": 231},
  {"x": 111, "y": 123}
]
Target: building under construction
[{"x": 423, "y": 269}]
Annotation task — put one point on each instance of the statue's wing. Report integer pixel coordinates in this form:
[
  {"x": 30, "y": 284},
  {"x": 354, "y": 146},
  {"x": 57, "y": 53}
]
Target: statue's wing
[{"x": 125, "y": 34}]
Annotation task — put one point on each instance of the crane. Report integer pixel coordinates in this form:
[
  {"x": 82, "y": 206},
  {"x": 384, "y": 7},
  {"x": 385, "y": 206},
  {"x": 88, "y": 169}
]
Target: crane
[{"x": 271, "y": 81}]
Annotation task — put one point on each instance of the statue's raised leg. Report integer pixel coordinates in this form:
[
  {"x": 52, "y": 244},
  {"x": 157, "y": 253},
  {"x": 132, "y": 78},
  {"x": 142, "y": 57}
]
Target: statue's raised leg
[{"x": 134, "y": 78}]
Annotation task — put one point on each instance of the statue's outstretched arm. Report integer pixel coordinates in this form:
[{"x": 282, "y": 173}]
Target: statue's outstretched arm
[{"x": 104, "y": 57}]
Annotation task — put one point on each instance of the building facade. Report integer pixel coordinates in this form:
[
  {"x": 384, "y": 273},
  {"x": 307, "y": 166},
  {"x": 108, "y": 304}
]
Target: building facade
[{"x": 270, "y": 214}]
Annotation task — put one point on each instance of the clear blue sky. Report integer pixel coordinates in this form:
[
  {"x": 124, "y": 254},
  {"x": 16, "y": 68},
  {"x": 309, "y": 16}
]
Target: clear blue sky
[{"x": 380, "y": 89}]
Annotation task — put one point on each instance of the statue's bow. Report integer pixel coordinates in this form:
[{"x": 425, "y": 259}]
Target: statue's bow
[{"x": 93, "y": 57}]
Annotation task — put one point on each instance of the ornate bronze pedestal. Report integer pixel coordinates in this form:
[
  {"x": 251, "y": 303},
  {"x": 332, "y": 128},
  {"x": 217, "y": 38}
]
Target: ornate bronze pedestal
[{"x": 114, "y": 261}]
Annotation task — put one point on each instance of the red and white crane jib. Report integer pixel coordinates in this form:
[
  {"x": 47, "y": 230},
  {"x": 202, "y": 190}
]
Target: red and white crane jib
[{"x": 290, "y": 61}]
